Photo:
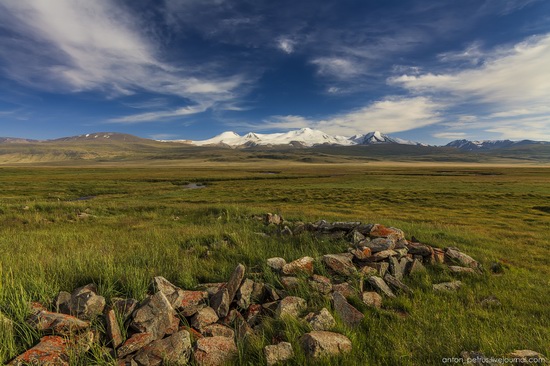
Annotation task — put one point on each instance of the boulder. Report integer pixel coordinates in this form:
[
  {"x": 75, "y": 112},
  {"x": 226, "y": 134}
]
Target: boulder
[
  {"x": 299, "y": 266},
  {"x": 57, "y": 323},
  {"x": 214, "y": 351},
  {"x": 191, "y": 302},
  {"x": 372, "y": 299},
  {"x": 317, "y": 344},
  {"x": 134, "y": 343},
  {"x": 453, "y": 255},
  {"x": 218, "y": 330},
  {"x": 322, "y": 320},
  {"x": 244, "y": 294},
  {"x": 340, "y": 264},
  {"x": 396, "y": 284},
  {"x": 379, "y": 285},
  {"x": 320, "y": 284},
  {"x": 85, "y": 304},
  {"x": 278, "y": 353},
  {"x": 112, "y": 329},
  {"x": 174, "y": 349},
  {"x": 204, "y": 317},
  {"x": 155, "y": 315},
  {"x": 173, "y": 294},
  {"x": 379, "y": 244},
  {"x": 447, "y": 286},
  {"x": 220, "y": 302},
  {"x": 349, "y": 315},
  {"x": 276, "y": 263},
  {"x": 291, "y": 306}
]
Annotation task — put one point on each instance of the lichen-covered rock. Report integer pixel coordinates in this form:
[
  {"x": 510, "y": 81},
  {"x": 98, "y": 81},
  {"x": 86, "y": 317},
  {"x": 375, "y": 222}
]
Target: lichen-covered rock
[
  {"x": 419, "y": 249},
  {"x": 344, "y": 288},
  {"x": 380, "y": 285},
  {"x": 112, "y": 329},
  {"x": 379, "y": 244},
  {"x": 204, "y": 317},
  {"x": 362, "y": 253},
  {"x": 218, "y": 330},
  {"x": 191, "y": 302},
  {"x": 320, "y": 284},
  {"x": 214, "y": 351},
  {"x": 46, "y": 321},
  {"x": 52, "y": 350},
  {"x": 290, "y": 282},
  {"x": 340, "y": 264},
  {"x": 174, "y": 349},
  {"x": 301, "y": 265},
  {"x": 155, "y": 315},
  {"x": 372, "y": 298},
  {"x": 317, "y": 344},
  {"x": 291, "y": 306},
  {"x": 85, "y": 303},
  {"x": 349, "y": 314},
  {"x": 380, "y": 231},
  {"x": 383, "y": 255},
  {"x": 134, "y": 343},
  {"x": 278, "y": 353},
  {"x": 276, "y": 263},
  {"x": 273, "y": 219},
  {"x": 323, "y": 320},
  {"x": 173, "y": 294},
  {"x": 447, "y": 286}
]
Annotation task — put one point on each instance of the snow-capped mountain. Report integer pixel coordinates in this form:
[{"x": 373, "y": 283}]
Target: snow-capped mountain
[
  {"x": 490, "y": 144},
  {"x": 305, "y": 137}
]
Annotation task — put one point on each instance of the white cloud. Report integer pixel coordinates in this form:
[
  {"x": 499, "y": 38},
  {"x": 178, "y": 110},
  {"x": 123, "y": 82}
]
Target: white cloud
[
  {"x": 450, "y": 135},
  {"x": 509, "y": 91},
  {"x": 159, "y": 115},
  {"x": 286, "y": 45},
  {"x": 75, "y": 46},
  {"x": 337, "y": 67},
  {"x": 472, "y": 54}
]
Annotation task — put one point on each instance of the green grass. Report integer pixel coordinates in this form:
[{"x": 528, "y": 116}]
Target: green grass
[{"x": 142, "y": 223}]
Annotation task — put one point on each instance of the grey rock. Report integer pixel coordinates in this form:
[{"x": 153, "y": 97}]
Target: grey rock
[
  {"x": 218, "y": 330},
  {"x": 235, "y": 281},
  {"x": 278, "y": 353},
  {"x": 173, "y": 293},
  {"x": 318, "y": 344},
  {"x": 385, "y": 254},
  {"x": 340, "y": 264},
  {"x": 175, "y": 349},
  {"x": 447, "y": 286},
  {"x": 85, "y": 304},
  {"x": 134, "y": 343},
  {"x": 357, "y": 237},
  {"x": 276, "y": 263},
  {"x": 344, "y": 288},
  {"x": 290, "y": 282},
  {"x": 458, "y": 269},
  {"x": 372, "y": 299},
  {"x": 322, "y": 320},
  {"x": 124, "y": 307},
  {"x": 419, "y": 249},
  {"x": 396, "y": 284},
  {"x": 286, "y": 231},
  {"x": 220, "y": 302},
  {"x": 299, "y": 266},
  {"x": 112, "y": 329},
  {"x": 349, "y": 315},
  {"x": 214, "y": 351},
  {"x": 192, "y": 301},
  {"x": 379, "y": 244},
  {"x": 62, "y": 303},
  {"x": 204, "y": 317},
  {"x": 244, "y": 294},
  {"x": 320, "y": 284},
  {"x": 414, "y": 267},
  {"x": 155, "y": 315},
  {"x": 381, "y": 267},
  {"x": 453, "y": 255},
  {"x": 380, "y": 285},
  {"x": 291, "y": 306}
]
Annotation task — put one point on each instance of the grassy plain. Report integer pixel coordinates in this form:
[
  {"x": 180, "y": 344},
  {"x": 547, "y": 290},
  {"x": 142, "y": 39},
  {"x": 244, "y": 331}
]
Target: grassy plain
[{"x": 142, "y": 221}]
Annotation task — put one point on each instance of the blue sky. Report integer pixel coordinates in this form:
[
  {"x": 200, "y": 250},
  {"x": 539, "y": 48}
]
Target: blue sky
[{"x": 431, "y": 71}]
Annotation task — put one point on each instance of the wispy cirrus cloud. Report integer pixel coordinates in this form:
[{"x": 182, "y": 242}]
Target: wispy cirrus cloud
[
  {"x": 75, "y": 46},
  {"x": 509, "y": 90}
]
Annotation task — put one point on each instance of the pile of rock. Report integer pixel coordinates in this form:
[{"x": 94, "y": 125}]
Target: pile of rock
[{"x": 172, "y": 325}]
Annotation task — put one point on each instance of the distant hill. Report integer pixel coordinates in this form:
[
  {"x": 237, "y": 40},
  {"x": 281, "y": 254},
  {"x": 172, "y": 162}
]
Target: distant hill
[
  {"x": 468, "y": 145},
  {"x": 15, "y": 140},
  {"x": 101, "y": 136}
]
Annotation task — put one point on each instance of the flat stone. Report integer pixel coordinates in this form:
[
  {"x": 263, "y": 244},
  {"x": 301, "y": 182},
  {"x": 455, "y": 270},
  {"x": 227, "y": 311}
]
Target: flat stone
[
  {"x": 379, "y": 244},
  {"x": 276, "y": 263},
  {"x": 453, "y": 255},
  {"x": 112, "y": 329},
  {"x": 214, "y": 351},
  {"x": 320, "y": 284},
  {"x": 220, "y": 302},
  {"x": 52, "y": 350},
  {"x": 173, "y": 294},
  {"x": 344, "y": 288},
  {"x": 380, "y": 285},
  {"x": 291, "y": 306},
  {"x": 301, "y": 265},
  {"x": 318, "y": 343},
  {"x": 85, "y": 304},
  {"x": 134, "y": 343},
  {"x": 340, "y": 264},
  {"x": 349, "y": 315},
  {"x": 155, "y": 315},
  {"x": 278, "y": 353},
  {"x": 458, "y": 269},
  {"x": 191, "y": 302},
  {"x": 244, "y": 294},
  {"x": 175, "y": 349},
  {"x": 218, "y": 330},
  {"x": 419, "y": 249},
  {"x": 322, "y": 320},
  {"x": 396, "y": 285},
  {"x": 372, "y": 299},
  {"x": 447, "y": 286},
  {"x": 57, "y": 323},
  {"x": 204, "y": 317},
  {"x": 385, "y": 254},
  {"x": 381, "y": 231}
]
